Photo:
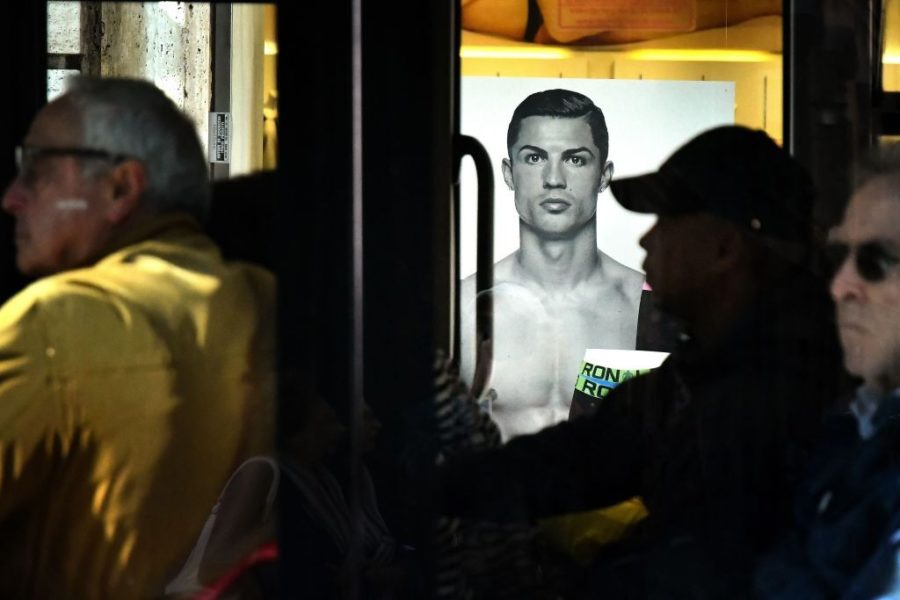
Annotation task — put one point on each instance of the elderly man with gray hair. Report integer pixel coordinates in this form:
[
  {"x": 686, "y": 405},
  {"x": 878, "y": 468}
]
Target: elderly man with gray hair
[
  {"x": 137, "y": 371},
  {"x": 846, "y": 543}
]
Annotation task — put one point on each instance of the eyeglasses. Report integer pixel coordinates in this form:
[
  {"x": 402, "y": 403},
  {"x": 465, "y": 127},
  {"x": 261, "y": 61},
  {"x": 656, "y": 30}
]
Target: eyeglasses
[
  {"x": 871, "y": 260},
  {"x": 26, "y": 155}
]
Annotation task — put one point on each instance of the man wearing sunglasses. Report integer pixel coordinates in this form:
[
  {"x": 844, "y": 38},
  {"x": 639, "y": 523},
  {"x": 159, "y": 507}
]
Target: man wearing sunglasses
[
  {"x": 848, "y": 531},
  {"x": 136, "y": 372},
  {"x": 713, "y": 439}
]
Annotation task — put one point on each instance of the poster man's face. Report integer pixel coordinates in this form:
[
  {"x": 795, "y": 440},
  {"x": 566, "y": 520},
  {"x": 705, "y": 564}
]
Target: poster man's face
[
  {"x": 868, "y": 312},
  {"x": 556, "y": 172}
]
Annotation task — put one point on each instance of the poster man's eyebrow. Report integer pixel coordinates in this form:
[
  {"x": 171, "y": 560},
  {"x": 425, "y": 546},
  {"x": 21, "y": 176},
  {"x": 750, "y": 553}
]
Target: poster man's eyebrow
[
  {"x": 529, "y": 148},
  {"x": 574, "y": 151}
]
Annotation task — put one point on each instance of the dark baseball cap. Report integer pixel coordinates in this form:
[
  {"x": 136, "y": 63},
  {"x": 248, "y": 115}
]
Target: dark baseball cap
[{"x": 731, "y": 172}]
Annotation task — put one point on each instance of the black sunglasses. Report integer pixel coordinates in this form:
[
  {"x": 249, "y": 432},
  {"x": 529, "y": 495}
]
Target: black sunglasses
[
  {"x": 871, "y": 260},
  {"x": 26, "y": 155}
]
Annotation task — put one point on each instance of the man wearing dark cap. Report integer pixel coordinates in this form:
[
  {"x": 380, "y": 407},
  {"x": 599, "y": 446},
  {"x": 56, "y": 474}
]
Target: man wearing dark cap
[{"x": 713, "y": 439}]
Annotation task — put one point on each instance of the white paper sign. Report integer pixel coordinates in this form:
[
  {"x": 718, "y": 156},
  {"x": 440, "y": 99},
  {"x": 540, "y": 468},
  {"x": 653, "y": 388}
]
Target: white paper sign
[
  {"x": 604, "y": 370},
  {"x": 219, "y": 137}
]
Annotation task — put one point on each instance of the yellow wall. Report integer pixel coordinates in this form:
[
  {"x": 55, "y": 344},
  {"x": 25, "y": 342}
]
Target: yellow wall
[
  {"x": 748, "y": 54},
  {"x": 891, "y": 67}
]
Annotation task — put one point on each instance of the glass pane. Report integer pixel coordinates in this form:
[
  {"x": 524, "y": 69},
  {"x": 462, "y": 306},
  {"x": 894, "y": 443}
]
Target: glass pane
[{"x": 660, "y": 71}]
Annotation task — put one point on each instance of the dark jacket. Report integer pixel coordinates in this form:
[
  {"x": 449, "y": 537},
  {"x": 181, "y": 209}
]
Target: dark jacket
[
  {"x": 712, "y": 442},
  {"x": 846, "y": 541}
]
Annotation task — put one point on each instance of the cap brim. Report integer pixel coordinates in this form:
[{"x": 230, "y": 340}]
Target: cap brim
[{"x": 653, "y": 193}]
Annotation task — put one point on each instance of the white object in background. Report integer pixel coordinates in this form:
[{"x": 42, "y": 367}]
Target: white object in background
[
  {"x": 219, "y": 137},
  {"x": 603, "y": 370}
]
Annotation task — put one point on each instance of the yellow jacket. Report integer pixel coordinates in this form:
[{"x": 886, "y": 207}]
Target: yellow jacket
[{"x": 129, "y": 391}]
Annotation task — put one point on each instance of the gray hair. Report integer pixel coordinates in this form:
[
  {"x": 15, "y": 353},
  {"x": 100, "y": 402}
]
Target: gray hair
[
  {"x": 134, "y": 118},
  {"x": 879, "y": 161}
]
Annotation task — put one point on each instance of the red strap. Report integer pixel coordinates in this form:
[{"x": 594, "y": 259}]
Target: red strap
[{"x": 265, "y": 553}]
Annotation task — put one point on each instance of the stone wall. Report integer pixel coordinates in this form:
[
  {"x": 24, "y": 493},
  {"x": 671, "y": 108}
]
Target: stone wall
[{"x": 167, "y": 43}]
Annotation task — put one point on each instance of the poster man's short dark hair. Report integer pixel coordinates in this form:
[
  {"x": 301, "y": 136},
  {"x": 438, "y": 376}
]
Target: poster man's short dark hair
[{"x": 563, "y": 104}]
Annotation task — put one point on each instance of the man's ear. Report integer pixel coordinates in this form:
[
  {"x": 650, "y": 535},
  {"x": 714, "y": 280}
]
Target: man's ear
[
  {"x": 129, "y": 181},
  {"x": 506, "y": 168},
  {"x": 606, "y": 175}
]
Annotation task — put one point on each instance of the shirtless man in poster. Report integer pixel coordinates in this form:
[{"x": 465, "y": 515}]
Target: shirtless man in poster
[{"x": 558, "y": 294}]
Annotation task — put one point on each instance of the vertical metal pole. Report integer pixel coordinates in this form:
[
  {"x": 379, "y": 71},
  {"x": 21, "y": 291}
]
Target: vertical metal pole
[
  {"x": 221, "y": 72},
  {"x": 453, "y": 292},
  {"x": 23, "y": 38},
  {"x": 356, "y": 318}
]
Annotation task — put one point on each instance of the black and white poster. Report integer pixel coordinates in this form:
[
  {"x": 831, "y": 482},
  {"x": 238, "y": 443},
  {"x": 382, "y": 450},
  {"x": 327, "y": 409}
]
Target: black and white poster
[{"x": 567, "y": 257}]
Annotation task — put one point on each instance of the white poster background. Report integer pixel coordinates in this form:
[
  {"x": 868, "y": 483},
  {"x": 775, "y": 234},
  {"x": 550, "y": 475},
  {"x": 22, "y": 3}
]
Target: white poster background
[{"x": 647, "y": 121}]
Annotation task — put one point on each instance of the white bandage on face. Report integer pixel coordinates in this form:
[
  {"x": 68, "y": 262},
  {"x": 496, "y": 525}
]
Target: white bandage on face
[{"x": 72, "y": 204}]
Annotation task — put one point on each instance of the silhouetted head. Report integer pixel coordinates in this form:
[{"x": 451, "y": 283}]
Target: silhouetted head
[{"x": 732, "y": 206}]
